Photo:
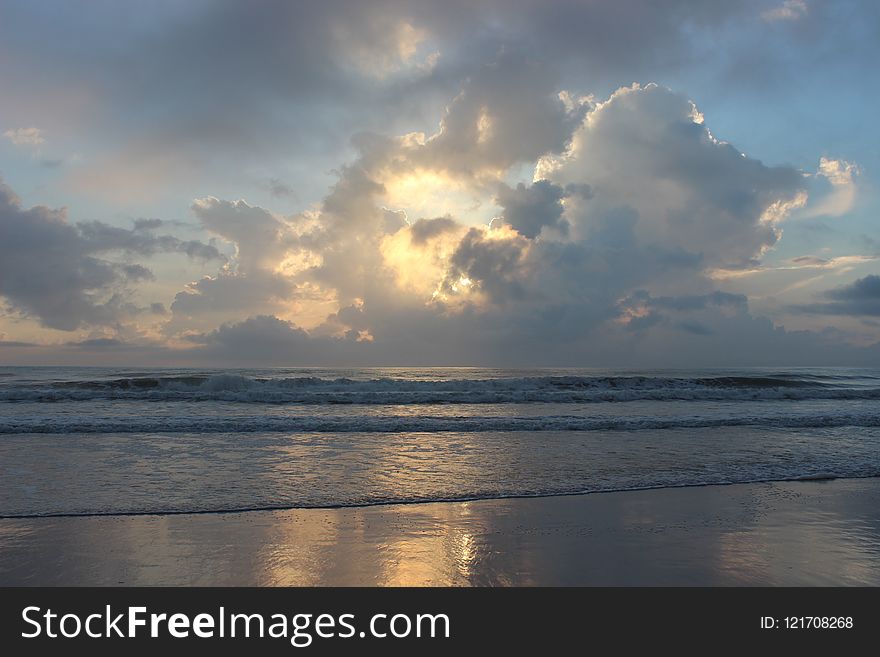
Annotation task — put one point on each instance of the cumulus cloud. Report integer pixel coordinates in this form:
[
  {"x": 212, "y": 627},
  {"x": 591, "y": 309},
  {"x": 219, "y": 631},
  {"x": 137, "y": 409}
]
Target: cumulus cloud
[
  {"x": 632, "y": 209},
  {"x": 633, "y": 205},
  {"x": 62, "y": 274},
  {"x": 424, "y": 230},
  {"x": 265, "y": 338},
  {"x": 332, "y": 66},
  {"x": 487, "y": 262},
  {"x": 529, "y": 209},
  {"x": 487, "y": 203},
  {"x": 648, "y": 149}
]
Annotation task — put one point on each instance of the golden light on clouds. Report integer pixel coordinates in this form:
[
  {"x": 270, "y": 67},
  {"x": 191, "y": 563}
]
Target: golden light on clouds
[
  {"x": 419, "y": 267},
  {"x": 428, "y": 194},
  {"x": 782, "y": 209}
]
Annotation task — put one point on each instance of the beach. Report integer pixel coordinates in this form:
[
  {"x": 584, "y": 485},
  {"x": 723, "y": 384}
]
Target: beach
[
  {"x": 780, "y": 534},
  {"x": 439, "y": 477}
]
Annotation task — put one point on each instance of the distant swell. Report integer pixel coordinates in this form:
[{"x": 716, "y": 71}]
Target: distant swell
[
  {"x": 550, "y": 389},
  {"x": 421, "y": 424}
]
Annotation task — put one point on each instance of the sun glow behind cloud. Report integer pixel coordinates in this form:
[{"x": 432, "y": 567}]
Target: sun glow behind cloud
[{"x": 553, "y": 198}]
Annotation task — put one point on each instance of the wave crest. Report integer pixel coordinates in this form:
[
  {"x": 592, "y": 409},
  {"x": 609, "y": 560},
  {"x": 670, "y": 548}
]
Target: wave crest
[{"x": 230, "y": 387}]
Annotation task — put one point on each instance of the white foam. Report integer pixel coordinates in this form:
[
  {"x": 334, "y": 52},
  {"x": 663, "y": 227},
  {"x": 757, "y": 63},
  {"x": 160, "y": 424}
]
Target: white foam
[
  {"x": 419, "y": 424},
  {"x": 546, "y": 389}
]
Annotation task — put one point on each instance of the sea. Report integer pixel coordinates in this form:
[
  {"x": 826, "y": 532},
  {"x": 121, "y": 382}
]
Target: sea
[{"x": 103, "y": 441}]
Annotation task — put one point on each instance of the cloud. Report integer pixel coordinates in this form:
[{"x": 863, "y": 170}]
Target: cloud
[
  {"x": 633, "y": 197},
  {"x": 229, "y": 296},
  {"x": 329, "y": 65},
  {"x": 140, "y": 241},
  {"x": 26, "y": 136},
  {"x": 62, "y": 274},
  {"x": 268, "y": 339},
  {"x": 277, "y": 188},
  {"x": 530, "y": 209},
  {"x": 834, "y": 189},
  {"x": 490, "y": 262},
  {"x": 789, "y": 10},
  {"x": 424, "y": 230},
  {"x": 805, "y": 263},
  {"x": 381, "y": 45},
  {"x": 633, "y": 207},
  {"x": 861, "y": 298},
  {"x": 97, "y": 343},
  {"x": 695, "y": 327},
  {"x": 260, "y": 238},
  {"x": 17, "y": 343},
  {"x": 648, "y": 150},
  {"x": 262, "y": 277}
]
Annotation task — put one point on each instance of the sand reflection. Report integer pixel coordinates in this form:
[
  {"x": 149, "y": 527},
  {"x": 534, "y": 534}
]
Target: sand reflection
[{"x": 774, "y": 534}]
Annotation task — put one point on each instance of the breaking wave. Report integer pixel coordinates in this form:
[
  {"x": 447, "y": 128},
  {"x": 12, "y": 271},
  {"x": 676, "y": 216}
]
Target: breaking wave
[
  {"x": 422, "y": 424},
  {"x": 551, "y": 389}
]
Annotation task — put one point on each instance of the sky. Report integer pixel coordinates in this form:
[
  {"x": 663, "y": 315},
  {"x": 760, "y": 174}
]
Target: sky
[{"x": 503, "y": 183}]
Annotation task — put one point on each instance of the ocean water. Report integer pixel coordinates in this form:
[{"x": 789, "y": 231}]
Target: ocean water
[{"x": 110, "y": 440}]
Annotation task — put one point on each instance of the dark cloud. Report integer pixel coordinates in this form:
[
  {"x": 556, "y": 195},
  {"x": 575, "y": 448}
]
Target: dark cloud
[
  {"x": 235, "y": 84},
  {"x": 230, "y": 294},
  {"x": 279, "y": 189},
  {"x": 695, "y": 302},
  {"x": 60, "y": 274},
  {"x": 140, "y": 241},
  {"x": 863, "y": 289},
  {"x": 97, "y": 343},
  {"x": 268, "y": 339},
  {"x": 641, "y": 310},
  {"x": 147, "y": 224},
  {"x": 494, "y": 266},
  {"x": 695, "y": 328},
  {"x": 530, "y": 209},
  {"x": 809, "y": 261},
  {"x": 423, "y": 230},
  {"x": 859, "y": 298}
]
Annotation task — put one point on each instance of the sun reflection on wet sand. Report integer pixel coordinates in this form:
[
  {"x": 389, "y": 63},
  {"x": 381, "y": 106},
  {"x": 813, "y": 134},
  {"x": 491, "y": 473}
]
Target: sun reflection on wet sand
[{"x": 773, "y": 534}]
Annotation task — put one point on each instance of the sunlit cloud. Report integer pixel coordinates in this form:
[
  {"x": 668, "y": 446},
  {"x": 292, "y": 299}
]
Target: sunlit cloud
[
  {"x": 840, "y": 199},
  {"x": 26, "y": 136},
  {"x": 379, "y": 180}
]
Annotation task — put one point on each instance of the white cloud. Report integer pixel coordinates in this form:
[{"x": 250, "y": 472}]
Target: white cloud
[
  {"x": 789, "y": 10},
  {"x": 634, "y": 209},
  {"x": 834, "y": 189},
  {"x": 647, "y": 150},
  {"x": 26, "y": 136}
]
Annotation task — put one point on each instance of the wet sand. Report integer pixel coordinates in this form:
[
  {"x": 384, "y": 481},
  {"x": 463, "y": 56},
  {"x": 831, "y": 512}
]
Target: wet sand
[{"x": 789, "y": 533}]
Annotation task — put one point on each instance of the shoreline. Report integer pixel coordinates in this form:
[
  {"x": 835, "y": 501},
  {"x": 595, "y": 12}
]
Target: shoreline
[
  {"x": 801, "y": 532},
  {"x": 449, "y": 500}
]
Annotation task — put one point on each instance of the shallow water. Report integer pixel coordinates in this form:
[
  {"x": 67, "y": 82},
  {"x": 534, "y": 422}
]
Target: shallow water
[{"x": 99, "y": 441}]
